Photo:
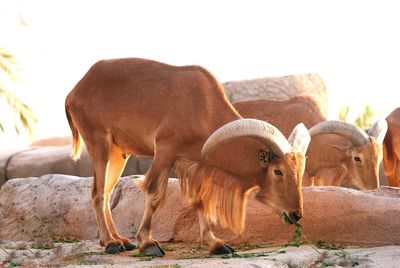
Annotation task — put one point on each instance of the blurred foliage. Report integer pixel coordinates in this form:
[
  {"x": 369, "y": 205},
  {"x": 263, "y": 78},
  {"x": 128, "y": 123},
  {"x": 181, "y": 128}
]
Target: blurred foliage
[
  {"x": 364, "y": 120},
  {"x": 344, "y": 113},
  {"x": 10, "y": 73}
]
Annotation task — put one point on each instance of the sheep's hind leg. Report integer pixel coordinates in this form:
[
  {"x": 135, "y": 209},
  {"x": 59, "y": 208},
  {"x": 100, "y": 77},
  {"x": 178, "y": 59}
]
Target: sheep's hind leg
[
  {"x": 100, "y": 194},
  {"x": 155, "y": 184},
  {"x": 116, "y": 165}
]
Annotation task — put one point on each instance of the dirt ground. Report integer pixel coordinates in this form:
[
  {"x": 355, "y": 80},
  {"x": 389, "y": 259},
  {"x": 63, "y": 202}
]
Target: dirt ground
[{"x": 69, "y": 253}]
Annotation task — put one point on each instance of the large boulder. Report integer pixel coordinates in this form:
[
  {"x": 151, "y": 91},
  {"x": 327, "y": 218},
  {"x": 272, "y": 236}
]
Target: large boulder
[
  {"x": 38, "y": 161},
  {"x": 60, "y": 206},
  {"x": 280, "y": 88}
]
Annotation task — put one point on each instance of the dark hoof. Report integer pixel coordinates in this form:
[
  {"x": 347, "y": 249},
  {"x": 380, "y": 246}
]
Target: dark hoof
[
  {"x": 114, "y": 249},
  {"x": 232, "y": 250},
  {"x": 129, "y": 246},
  {"x": 121, "y": 248},
  {"x": 154, "y": 250},
  {"x": 225, "y": 249}
]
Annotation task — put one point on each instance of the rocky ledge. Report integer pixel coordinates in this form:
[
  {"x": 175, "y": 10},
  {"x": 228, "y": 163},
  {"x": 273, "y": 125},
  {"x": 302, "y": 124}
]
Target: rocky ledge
[{"x": 59, "y": 206}]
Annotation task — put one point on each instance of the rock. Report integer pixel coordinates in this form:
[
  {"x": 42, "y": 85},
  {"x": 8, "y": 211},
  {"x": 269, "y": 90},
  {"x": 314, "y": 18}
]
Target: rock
[
  {"x": 35, "y": 162},
  {"x": 88, "y": 253},
  {"x": 53, "y": 141},
  {"x": 38, "y": 161},
  {"x": 283, "y": 114},
  {"x": 279, "y": 88},
  {"x": 4, "y": 162},
  {"x": 60, "y": 206},
  {"x": 46, "y": 207}
]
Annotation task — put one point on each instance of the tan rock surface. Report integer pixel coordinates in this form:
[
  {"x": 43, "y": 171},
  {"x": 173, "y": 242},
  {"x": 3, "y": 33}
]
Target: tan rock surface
[
  {"x": 279, "y": 88},
  {"x": 60, "y": 206},
  {"x": 39, "y": 161},
  {"x": 89, "y": 254}
]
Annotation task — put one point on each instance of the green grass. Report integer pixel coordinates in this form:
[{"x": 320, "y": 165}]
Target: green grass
[
  {"x": 323, "y": 245},
  {"x": 298, "y": 237},
  {"x": 14, "y": 263},
  {"x": 44, "y": 245},
  {"x": 246, "y": 246},
  {"x": 64, "y": 240},
  {"x": 244, "y": 255}
]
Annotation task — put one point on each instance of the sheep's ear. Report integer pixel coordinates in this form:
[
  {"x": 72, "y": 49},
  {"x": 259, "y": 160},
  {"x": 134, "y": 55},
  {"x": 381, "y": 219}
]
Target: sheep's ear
[
  {"x": 378, "y": 130},
  {"x": 265, "y": 157},
  {"x": 300, "y": 138}
]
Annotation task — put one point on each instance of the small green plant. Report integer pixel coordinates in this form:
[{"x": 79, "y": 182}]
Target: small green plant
[
  {"x": 247, "y": 246},
  {"x": 168, "y": 248},
  {"x": 143, "y": 257},
  {"x": 326, "y": 264},
  {"x": 14, "y": 263},
  {"x": 199, "y": 248},
  {"x": 244, "y": 255},
  {"x": 44, "y": 245},
  {"x": 94, "y": 253},
  {"x": 323, "y": 245},
  {"x": 65, "y": 240},
  {"x": 298, "y": 237}
]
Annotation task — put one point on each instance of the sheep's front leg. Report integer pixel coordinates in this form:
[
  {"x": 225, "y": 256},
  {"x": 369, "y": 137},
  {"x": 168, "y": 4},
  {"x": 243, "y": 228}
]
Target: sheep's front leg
[
  {"x": 215, "y": 245},
  {"x": 148, "y": 245}
]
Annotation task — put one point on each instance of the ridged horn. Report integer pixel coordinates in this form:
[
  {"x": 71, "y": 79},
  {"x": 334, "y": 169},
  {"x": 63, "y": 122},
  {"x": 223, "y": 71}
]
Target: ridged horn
[
  {"x": 260, "y": 130},
  {"x": 354, "y": 134},
  {"x": 378, "y": 130},
  {"x": 300, "y": 138}
]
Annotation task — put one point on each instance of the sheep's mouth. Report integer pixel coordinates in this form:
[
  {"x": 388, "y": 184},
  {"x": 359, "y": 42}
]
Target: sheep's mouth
[{"x": 286, "y": 219}]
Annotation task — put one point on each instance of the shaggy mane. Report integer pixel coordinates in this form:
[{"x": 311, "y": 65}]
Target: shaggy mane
[{"x": 222, "y": 196}]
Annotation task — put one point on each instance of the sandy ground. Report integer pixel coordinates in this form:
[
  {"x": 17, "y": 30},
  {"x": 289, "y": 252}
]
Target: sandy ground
[{"x": 90, "y": 254}]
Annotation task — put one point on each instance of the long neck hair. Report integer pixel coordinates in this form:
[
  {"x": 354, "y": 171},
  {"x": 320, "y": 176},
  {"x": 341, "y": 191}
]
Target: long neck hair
[{"x": 221, "y": 195}]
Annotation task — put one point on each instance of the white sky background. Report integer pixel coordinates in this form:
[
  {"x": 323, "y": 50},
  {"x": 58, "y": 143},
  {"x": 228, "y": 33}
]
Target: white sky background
[{"x": 353, "y": 45}]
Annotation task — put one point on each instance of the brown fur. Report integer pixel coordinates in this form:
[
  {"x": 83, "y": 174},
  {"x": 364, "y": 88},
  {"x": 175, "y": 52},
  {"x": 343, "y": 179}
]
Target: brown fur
[
  {"x": 156, "y": 183},
  {"x": 391, "y": 149},
  {"x": 323, "y": 161},
  {"x": 76, "y": 137},
  {"x": 134, "y": 106},
  {"x": 220, "y": 194}
]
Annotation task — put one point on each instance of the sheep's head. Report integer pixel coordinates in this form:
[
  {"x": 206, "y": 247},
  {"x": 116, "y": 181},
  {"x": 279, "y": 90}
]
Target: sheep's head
[
  {"x": 363, "y": 155},
  {"x": 283, "y": 162}
]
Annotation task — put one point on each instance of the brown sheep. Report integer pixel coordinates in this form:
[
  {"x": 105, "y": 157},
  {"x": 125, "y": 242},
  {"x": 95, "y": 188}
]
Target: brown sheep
[
  {"x": 181, "y": 116},
  {"x": 335, "y": 157},
  {"x": 391, "y": 149}
]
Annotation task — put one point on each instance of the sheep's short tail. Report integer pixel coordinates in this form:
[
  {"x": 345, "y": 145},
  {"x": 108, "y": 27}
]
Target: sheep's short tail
[{"x": 76, "y": 137}]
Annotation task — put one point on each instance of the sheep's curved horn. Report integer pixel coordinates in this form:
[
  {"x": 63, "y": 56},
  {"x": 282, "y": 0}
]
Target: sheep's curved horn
[
  {"x": 354, "y": 134},
  {"x": 300, "y": 138},
  {"x": 378, "y": 130},
  {"x": 260, "y": 130}
]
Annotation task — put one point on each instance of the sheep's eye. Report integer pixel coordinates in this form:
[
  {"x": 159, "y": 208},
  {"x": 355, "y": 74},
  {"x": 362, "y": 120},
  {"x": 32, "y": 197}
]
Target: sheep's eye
[
  {"x": 356, "y": 158},
  {"x": 278, "y": 172}
]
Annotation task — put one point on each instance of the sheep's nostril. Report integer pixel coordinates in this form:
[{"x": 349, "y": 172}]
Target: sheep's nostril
[{"x": 296, "y": 216}]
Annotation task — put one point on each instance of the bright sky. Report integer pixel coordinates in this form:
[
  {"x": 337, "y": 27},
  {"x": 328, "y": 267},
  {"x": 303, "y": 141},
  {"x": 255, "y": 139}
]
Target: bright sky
[{"x": 353, "y": 45}]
